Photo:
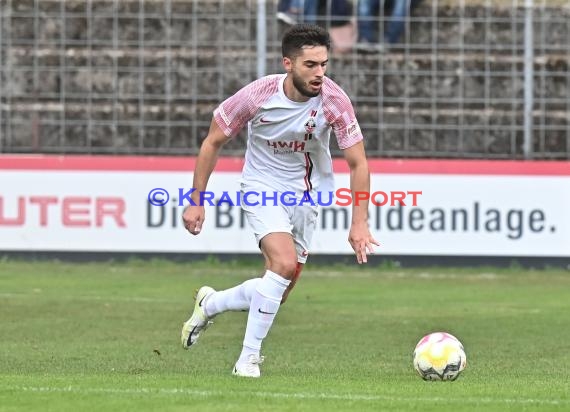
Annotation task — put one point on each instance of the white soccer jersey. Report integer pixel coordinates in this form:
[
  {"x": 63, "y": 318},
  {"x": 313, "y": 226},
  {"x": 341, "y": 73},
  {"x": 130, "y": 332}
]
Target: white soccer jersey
[{"x": 288, "y": 142}]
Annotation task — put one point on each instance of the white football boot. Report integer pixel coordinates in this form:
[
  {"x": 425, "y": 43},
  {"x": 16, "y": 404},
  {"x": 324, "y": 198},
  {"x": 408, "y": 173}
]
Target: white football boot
[
  {"x": 198, "y": 321},
  {"x": 249, "y": 368}
]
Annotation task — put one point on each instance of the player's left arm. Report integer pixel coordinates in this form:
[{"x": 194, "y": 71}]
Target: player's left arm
[
  {"x": 359, "y": 236},
  {"x": 339, "y": 112}
]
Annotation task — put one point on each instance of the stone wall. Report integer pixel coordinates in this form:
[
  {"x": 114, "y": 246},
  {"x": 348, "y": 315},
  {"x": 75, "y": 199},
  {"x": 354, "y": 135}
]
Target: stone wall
[{"x": 105, "y": 80}]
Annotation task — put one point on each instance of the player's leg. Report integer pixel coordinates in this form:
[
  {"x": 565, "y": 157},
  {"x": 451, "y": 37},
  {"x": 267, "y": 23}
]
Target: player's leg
[
  {"x": 281, "y": 263},
  {"x": 232, "y": 299},
  {"x": 293, "y": 282},
  {"x": 263, "y": 220},
  {"x": 237, "y": 298},
  {"x": 304, "y": 222},
  {"x": 209, "y": 303},
  {"x": 285, "y": 256}
]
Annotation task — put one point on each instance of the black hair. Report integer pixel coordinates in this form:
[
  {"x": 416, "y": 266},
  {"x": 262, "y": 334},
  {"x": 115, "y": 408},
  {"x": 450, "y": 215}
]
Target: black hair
[{"x": 300, "y": 35}]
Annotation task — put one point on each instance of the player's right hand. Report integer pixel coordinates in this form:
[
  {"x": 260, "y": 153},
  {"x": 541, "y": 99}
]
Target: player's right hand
[{"x": 193, "y": 218}]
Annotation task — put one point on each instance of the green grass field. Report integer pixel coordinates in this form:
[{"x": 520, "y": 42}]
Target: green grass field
[{"x": 106, "y": 337}]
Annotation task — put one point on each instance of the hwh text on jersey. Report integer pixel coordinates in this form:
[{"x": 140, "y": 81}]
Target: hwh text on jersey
[{"x": 286, "y": 146}]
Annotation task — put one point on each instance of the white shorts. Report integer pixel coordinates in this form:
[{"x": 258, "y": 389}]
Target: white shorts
[{"x": 299, "y": 221}]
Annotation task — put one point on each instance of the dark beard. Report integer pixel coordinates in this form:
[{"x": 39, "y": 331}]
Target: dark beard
[{"x": 300, "y": 86}]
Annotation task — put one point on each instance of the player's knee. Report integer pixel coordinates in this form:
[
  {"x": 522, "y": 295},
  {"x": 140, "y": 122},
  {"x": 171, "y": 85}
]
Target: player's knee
[{"x": 285, "y": 268}]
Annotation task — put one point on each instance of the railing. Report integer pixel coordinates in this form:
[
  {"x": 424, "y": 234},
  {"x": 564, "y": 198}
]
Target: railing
[{"x": 484, "y": 79}]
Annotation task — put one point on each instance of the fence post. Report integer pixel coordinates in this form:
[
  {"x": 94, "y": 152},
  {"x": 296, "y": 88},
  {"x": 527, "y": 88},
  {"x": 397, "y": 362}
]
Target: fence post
[
  {"x": 528, "y": 79},
  {"x": 261, "y": 38},
  {"x": 1, "y": 70}
]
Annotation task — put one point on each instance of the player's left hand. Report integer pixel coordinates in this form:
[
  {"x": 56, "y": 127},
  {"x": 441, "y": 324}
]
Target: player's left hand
[{"x": 361, "y": 241}]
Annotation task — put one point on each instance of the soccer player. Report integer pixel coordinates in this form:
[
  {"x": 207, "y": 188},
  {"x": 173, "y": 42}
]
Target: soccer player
[{"x": 289, "y": 119}]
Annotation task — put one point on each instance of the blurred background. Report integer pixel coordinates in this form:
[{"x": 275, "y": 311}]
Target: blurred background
[
  {"x": 467, "y": 102},
  {"x": 104, "y": 102},
  {"x": 460, "y": 79}
]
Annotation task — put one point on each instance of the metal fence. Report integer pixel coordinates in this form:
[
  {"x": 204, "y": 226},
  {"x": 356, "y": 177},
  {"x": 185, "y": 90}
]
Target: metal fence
[{"x": 143, "y": 76}]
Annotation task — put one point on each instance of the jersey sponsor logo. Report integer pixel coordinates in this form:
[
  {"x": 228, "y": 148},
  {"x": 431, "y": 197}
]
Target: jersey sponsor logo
[
  {"x": 264, "y": 120},
  {"x": 286, "y": 146}
]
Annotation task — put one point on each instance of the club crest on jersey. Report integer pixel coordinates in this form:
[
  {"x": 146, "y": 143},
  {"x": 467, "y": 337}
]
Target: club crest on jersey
[{"x": 310, "y": 125}]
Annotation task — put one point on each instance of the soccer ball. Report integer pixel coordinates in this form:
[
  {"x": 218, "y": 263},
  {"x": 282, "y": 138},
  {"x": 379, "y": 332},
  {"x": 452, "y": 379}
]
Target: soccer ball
[{"x": 439, "y": 356}]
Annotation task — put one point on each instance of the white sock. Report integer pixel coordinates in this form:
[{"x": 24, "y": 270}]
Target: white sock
[
  {"x": 264, "y": 305},
  {"x": 236, "y": 298}
]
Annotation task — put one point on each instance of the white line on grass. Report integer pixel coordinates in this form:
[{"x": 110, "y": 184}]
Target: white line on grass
[
  {"x": 138, "y": 299},
  {"x": 281, "y": 395},
  {"x": 317, "y": 273}
]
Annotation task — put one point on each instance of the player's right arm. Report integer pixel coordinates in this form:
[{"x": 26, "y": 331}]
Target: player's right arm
[
  {"x": 229, "y": 118},
  {"x": 194, "y": 216}
]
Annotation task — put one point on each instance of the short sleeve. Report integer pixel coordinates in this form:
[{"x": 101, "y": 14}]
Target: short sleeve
[
  {"x": 235, "y": 112},
  {"x": 340, "y": 114}
]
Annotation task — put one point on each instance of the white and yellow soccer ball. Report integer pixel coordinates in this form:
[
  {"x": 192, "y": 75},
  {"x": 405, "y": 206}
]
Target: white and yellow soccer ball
[{"x": 439, "y": 356}]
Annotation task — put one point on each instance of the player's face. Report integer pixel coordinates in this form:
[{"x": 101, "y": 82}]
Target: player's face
[{"x": 307, "y": 71}]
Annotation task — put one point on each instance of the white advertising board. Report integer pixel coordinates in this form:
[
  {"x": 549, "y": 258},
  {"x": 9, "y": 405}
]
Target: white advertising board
[{"x": 478, "y": 208}]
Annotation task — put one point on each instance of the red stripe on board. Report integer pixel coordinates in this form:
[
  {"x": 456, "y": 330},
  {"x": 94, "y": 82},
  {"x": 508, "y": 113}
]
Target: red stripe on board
[
  {"x": 235, "y": 164},
  {"x": 465, "y": 167},
  {"x": 112, "y": 163}
]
